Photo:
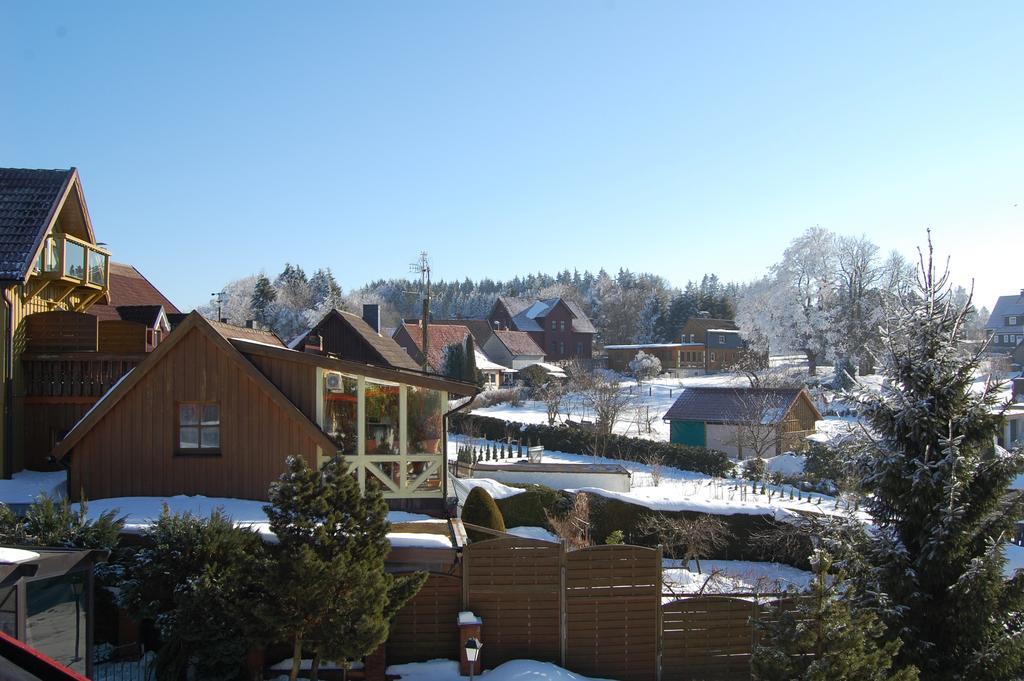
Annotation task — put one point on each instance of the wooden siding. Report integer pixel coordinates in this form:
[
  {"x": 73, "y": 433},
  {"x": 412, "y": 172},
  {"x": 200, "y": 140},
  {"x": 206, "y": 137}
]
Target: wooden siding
[
  {"x": 425, "y": 628},
  {"x": 339, "y": 339},
  {"x": 130, "y": 451},
  {"x": 297, "y": 381},
  {"x": 117, "y": 335}
]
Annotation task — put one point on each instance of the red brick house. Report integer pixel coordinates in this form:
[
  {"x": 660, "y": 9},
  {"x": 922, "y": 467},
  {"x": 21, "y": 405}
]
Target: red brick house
[{"x": 558, "y": 326}]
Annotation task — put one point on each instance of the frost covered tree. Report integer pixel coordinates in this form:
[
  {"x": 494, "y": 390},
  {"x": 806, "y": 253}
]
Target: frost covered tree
[
  {"x": 938, "y": 491},
  {"x": 854, "y": 331},
  {"x": 262, "y": 300},
  {"x": 650, "y": 323},
  {"x": 644, "y": 366}
]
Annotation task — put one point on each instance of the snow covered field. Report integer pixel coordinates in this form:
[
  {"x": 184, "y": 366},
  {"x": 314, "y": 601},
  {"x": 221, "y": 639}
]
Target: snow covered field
[
  {"x": 27, "y": 487},
  {"x": 732, "y": 576}
]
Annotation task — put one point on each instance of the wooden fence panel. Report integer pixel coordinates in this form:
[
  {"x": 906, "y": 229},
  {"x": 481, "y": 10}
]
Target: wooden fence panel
[
  {"x": 708, "y": 638},
  {"x": 613, "y": 596},
  {"x": 425, "y": 628},
  {"x": 514, "y": 584}
]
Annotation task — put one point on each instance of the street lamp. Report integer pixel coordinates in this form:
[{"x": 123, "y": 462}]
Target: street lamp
[
  {"x": 473, "y": 647},
  {"x": 77, "y": 587}
]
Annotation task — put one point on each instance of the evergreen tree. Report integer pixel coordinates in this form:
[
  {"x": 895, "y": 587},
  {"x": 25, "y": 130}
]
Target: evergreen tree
[
  {"x": 938, "y": 494},
  {"x": 331, "y": 595},
  {"x": 821, "y": 635},
  {"x": 198, "y": 580},
  {"x": 263, "y": 297},
  {"x": 480, "y": 509},
  {"x": 470, "y": 373},
  {"x": 454, "y": 361}
]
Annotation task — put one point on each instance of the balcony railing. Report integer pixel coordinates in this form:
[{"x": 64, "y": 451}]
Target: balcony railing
[
  {"x": 75, "y": 261},
  {"x": 75, "y": 374}
]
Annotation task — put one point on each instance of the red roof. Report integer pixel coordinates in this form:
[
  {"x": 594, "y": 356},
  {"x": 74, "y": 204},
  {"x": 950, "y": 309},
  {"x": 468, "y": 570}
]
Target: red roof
[
  {"x": 440, "y": 337},
  {"x": 519, "y": 343},
  {"x": 128, "y": 287}
]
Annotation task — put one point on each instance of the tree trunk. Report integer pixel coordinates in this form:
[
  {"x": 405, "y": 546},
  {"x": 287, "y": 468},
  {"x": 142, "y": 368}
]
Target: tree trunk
[
  {"x": 314, "y": 667},
  {"x": 296, "y": 658},
  {"x": 812, "y": 362}
]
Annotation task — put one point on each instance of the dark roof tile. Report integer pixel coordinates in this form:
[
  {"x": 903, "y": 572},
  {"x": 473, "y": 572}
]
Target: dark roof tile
[
  {"x": 28, "y": 199},
  {"x": 733, "y": 405}
]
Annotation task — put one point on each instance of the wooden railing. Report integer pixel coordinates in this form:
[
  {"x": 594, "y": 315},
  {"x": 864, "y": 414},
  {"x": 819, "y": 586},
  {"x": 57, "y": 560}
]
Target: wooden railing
[{"x": 84, "y": 374}]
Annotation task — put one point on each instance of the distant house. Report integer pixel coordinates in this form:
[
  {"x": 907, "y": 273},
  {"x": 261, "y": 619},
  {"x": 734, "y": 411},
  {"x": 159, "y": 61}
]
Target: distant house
[
  {"x": 743, "y": 422},
  {"x": 216, "y": 409},
  {"x": 558, "y": 326},
  {"x": 712, "y": 344},
  {"x": 513, "y": 349},
  {"x": 133, "y": 301},
  {"x": 1018, "y": 356},
  {"x": 1012, "y": 426},
  {"x": 1005, "y": 325},
  {"x": 722, "y": 349},
  {"x": 669, "y": 354},
  {"x": 480, "y": 329},
  {"x": 696, "y": 327},
  {"x": 440, "y": 336},
  {"x": 350, "y": 337}
]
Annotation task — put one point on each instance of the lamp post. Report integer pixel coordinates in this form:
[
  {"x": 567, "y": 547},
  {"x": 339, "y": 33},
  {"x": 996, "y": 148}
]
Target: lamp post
[
  {"x": 473, "y": 647},
  {"x": 77, "y": 587}
]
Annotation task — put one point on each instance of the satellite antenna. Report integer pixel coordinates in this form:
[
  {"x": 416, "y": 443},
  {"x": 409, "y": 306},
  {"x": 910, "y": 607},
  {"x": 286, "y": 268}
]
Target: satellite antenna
[{"x": 422, "y": 267}]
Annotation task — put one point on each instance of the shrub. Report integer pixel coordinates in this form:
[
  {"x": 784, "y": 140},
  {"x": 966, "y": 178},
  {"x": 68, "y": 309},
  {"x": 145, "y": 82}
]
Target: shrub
[
  {"x": 582, "y": 441},
  {"x": 754, "y": 469},
  {"x": 528, "y": 508},
  {"x": 616, "y": 537},
  {"x": 481, "y": 510}
]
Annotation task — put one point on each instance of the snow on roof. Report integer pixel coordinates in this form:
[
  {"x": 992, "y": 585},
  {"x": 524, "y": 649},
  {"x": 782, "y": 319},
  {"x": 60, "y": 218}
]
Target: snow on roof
[
  {"x": 552, "y": 369},
  {"x": 26, "y": 487},
  {"x": 538, "y": 309},
  {"x": 644, "y": 346},
  {"x": 9, "y": 556},
  {"x": 665, "y": 499},
  {"x": 497, "y": 490},
  {"x": 723, "y": 331},
  {"x": 484, "y": 364},
  {"x": 141, "y": 512}
]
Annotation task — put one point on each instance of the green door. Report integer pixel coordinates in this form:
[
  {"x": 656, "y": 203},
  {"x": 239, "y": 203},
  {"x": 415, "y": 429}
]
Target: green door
[{"x": 688, "y": 433}]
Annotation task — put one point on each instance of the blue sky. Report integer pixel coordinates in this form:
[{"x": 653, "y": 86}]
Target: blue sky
[{"x": 219, "y": 139}]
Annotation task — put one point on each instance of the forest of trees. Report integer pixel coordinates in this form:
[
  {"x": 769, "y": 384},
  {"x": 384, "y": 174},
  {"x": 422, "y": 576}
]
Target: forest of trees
[{"x": 625, "y": 308}]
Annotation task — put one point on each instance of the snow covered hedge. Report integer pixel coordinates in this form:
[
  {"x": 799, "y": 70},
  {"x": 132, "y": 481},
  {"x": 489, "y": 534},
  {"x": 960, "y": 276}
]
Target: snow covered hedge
[{"x": 580, "y": 441}]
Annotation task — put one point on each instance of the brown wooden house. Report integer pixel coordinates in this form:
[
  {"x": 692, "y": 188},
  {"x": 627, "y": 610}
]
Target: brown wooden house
[
  {"x": 49, "y": 262},
  {"x": 214, "y": 410},
  {"x": 558, "y": 326},
  {"x": 348, "y": 336}
]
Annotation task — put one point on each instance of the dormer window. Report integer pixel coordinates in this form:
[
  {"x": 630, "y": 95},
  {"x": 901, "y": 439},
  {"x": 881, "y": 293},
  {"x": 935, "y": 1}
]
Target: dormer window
[{"x": 1011, "y": 321}]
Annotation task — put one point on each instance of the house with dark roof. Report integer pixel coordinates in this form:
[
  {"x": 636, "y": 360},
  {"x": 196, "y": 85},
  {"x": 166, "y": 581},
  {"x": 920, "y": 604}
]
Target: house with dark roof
[
  {"x": 216, "y": 409},
  {"x": 743, "y": 422},
  {"x": 348, "y": 336},
  {"x": 712, "y": 345},
  {"x": 1005, "y": 326},
  {"x": 49, "y": 262},
  {"x": 513, "y": 349},
  {"x": 440, "y": 337},
  {"x": 135, "y": 318},
  {"x": 557, "y": 325}
]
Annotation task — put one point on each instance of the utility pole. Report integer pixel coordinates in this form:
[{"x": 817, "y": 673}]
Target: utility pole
[
  {"x": 422, "y": 267},
  {"x": 219, "y": 297}
]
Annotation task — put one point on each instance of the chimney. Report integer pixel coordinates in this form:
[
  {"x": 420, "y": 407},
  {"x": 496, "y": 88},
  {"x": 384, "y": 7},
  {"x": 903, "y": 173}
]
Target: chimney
[
  {"x": 1018, "y": 389},
  {"x": 371, "y": 315}
]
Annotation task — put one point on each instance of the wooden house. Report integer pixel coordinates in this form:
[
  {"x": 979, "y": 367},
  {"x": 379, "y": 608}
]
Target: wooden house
[
  {"x": 358, "y": 339},
  {"x": 558, "y": 326},
  {"x": 136, "y": 317},
  {"x": 743, "y": 422},
  {"x": 669, "y": 354},
  {"x": 513, "y": 349},
  {"x": 216, "y": 409},
  {"x": 1005, "y": 325},
  {"x": 440, "y": 336},
  {"x": 50, "y": 262}
]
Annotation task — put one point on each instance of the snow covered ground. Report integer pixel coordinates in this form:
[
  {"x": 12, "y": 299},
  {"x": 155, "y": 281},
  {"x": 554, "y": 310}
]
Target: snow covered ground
[
  {"x": 533, "y": 533},
  {"x": 26, "y": 487},
  {"x": 731, "y": 576},
  {"x": 679, "y": 490},
  {"x": 514, "y": 670}
]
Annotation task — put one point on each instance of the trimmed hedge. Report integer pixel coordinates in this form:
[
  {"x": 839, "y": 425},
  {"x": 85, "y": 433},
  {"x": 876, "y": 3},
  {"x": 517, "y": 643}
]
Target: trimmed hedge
[
  {"x": 480, "y": 509},
  {"x": 562, "y": 438},
  {"x": 527, "y": 508}
]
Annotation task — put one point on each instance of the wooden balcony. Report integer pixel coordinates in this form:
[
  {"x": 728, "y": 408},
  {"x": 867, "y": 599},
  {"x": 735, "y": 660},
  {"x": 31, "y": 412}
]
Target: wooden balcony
[{"x": 74, "y": 376}]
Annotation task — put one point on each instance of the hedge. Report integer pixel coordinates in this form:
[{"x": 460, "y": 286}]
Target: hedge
[
  {"x": 527, "y": 508},
  {"x": 577, "y": 440}
]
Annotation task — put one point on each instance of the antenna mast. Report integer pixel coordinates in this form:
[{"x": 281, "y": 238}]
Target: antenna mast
[{"x": 422, "y": 267}]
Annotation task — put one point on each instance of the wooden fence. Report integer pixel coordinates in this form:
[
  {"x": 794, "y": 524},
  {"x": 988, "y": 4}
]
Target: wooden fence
[{"x": 598, "y": 611}]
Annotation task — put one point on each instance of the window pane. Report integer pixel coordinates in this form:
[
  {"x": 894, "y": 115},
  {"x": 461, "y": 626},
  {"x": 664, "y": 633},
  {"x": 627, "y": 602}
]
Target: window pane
[
  {"x": 189, "y": 437},
  {"x": 341, "y": 396},
  {"x": 74, "y": 263},
  {"x": 188, "y": 414},
  {"x": 382, "y": 426},
  {"x": 425, "y": 410},
  {"x": 209, "y": 437},
  {"x": 56, "y": 619},
  {"x": 97, "y": 268},
  {"x": 211, "y": 414}
]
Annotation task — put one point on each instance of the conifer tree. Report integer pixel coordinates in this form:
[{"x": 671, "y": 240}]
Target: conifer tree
[
  {"x": 263, "y": 296},
  {"x": 822, "y": 635},
  {"x": 939, "y": 495},
  {"x": 331, "y": 595}
]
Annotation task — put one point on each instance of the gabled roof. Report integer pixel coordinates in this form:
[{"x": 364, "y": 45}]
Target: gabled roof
[
  {"x": 194, "y": 321},
  {"x": 389, "y": 353},
  {"x": 519, "y": 343},
  {"x": 736, "y": 405},
  {"x": 150, "y": 315},
  {"x": 129, "y": 288},
  {"x": 1007, "y": 306},
  {"x": 232, "y": 332},
  {"x": 440, "y": 337},
  {"x": 699, "y": 325},
  {"x": 528, "y": 313},
  {"x": 29, "y": 203},
  {"x": 480, "y": 328}
]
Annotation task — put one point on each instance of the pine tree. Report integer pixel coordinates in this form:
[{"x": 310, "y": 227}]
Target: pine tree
[
  {"x": 821, "y": 635},
  {"x": 454, "y": 361},
  {"x": 331, "y": 595},
  {"x": 938, "y": 493},
  {"x": 470, "y": 374},
  {"x": 263, "y": 297}
]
